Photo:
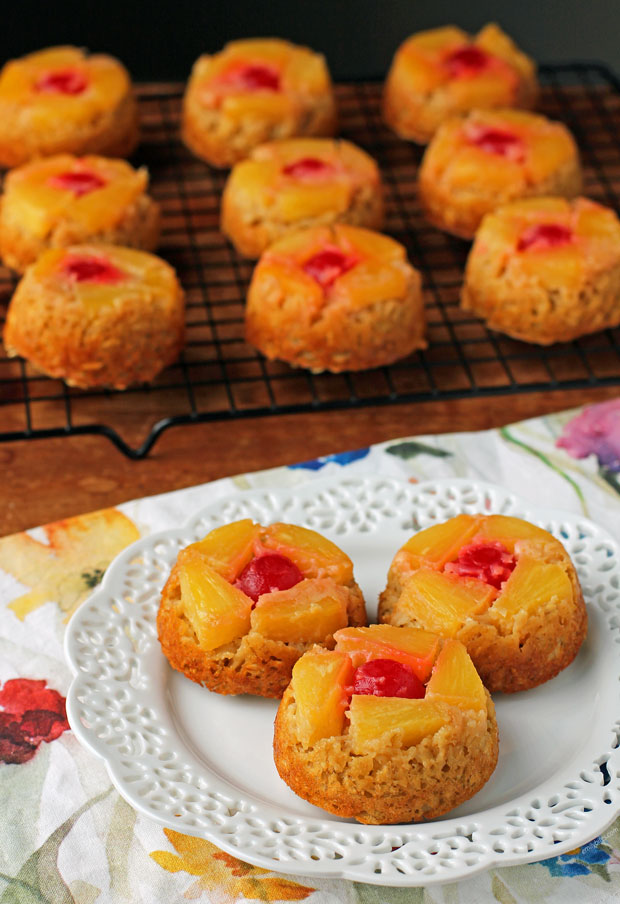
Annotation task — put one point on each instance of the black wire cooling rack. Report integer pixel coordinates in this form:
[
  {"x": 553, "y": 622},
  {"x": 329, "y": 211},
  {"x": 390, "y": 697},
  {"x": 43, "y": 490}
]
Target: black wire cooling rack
[{"x": 220, "y": 377}]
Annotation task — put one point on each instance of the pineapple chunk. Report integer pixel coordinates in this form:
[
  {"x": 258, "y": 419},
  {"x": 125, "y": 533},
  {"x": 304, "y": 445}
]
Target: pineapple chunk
[
  {"x": 314, "y": 555},
  {"x": 410, "y": 646},
  {"x": 440, "y": 543},
  {"x": 229, "y": 548},
  {"x": 306, "y": 613},
  {"x": 371, "y": 279},
  {"x": 442, "y": 602},
  {"x": 554, "y": 267},
  {"x": 509, "y": 530},
  {"x": 295, "y": 202},
  {"x": 216, "y": 610},
  {"x": 532, "y": 584},
  {"x": 319, "y": 683},
  {"x": 455, "y": 679},
  {"x": 392, "y": 720}
]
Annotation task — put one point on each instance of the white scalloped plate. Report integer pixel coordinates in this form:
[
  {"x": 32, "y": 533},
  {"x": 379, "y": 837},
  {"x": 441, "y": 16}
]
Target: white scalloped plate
[{"x": 201, "y": 763}]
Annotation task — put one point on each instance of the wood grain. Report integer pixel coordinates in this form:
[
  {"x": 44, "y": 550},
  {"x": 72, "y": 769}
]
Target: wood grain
[{"x": 44, "y": 480}]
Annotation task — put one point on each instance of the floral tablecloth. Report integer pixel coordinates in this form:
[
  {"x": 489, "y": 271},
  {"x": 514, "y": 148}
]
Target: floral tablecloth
[{"x": 65, "y": 833}]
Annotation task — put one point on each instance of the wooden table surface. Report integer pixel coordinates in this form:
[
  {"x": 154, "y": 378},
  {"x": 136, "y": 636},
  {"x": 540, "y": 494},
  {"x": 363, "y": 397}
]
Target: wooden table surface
[{"x": 44, "y": 480}]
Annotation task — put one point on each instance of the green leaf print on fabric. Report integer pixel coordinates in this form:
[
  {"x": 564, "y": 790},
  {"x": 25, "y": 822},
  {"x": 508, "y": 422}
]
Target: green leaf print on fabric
[
  {"x": 500, "y": 892},
  {"x": 508, "y": 436},
  {"x": 377, "y": 894},
  {"x": 410, "y": 448},
  {"x": 39, "y": 880},
  {"x": 118, "y": 845}
]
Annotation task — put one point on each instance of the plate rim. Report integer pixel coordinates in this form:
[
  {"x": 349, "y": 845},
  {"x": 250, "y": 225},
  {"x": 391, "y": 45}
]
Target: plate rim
[{"x": 314, "y": 868}]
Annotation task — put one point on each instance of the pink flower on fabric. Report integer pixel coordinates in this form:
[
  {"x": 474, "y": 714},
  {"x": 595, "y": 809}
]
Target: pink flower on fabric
[
  {"x": 30, "y": 712},
  {"x": 596, "y": 431}
]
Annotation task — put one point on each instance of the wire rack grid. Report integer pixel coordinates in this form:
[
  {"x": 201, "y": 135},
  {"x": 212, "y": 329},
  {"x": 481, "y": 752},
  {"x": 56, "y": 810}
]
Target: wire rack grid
[{"x": 220, "y": 377}]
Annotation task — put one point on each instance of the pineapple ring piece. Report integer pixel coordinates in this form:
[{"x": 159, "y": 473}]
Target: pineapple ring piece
[
  {"x": 245, "y": 602},
  {"x": 502, "y": 586},
  {"x": 475, "y": 164},
  {"x": 546, "y": 270},
  {"x": 97, "y": 315},
  {"x": 254, "y": 91},
  {"x": 296, "y": 183},
  {"x": 335, "y": 298},
  {"x": 380, "y": 758},
  {"x": 445, "y": 72},
  {"x": 61, "y": 100},
  {"x": 66, "y": 200}
]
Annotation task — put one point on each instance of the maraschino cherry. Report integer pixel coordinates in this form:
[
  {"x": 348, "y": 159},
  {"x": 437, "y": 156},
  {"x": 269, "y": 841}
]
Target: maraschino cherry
[
  {"x": 488, "y": 561},
  {"x": 543, "y": 236},
  {"x": 62, "y": 81},
  {"x": 387, "y": 678},
  {"x": 327, "y": 265},
  {"x": 266, "y": 574},
  {"x": 80, "y": 182},
  {"x": 88, "y": 268}
]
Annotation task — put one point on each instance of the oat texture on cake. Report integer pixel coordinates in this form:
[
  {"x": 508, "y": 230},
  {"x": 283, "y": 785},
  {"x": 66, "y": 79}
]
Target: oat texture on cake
[
  {"x": 97, "y": 315},
  {"x": 546, "y": 270},
  {"x": 63, "y": 100},
  {"x": 335, "y": 298},
  {"x": 502, "y": 586},
  {"x": 393, "y": 725},
  {"x": 67, "y": 200},
  {"x": 298, "y": 183},
  {"x": 475, "y": 164},
  {"x": 254, "y": 91},
  {"x": 444, "y": 72},
  {"x": 243, "y": 604}
]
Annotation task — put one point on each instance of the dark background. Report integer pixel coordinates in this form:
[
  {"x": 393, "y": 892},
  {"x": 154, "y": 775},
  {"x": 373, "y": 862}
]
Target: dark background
[{"x": 159, "y": 41}]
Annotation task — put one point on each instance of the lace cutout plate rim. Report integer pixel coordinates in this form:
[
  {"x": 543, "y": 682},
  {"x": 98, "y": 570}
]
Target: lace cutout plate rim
[{"x": 179, "y": 754}]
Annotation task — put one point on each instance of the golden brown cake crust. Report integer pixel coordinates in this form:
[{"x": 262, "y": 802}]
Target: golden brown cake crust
[
  {"x": 252, "y": 221},
  {"x": 533, "y": 649},
  {"x": 117, "y": 345},
  {"x": 390, "y": 784},
  {"x": 112, "y": 133},
  {"x": 139, "y": 226},
  {"x": 577, "y": 298},
  {"x": 222, "y": 137},
  {"x": 415, "y": 110},
  {"x": 336, "y": 334},
  {"x": 457, "y": 204},
  {"x": 253, "y": 664}
]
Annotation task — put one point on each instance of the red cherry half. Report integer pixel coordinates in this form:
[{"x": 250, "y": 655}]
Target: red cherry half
[
  {"x": 327, "y": 265},
  {"x": 544, "y": 236},
  {"x": 490, "y": 562},
  {"x": 252, "y": 77},
  {"x": 308, "y": 168},
  {"x": 62, "y": 81},
  {"x": 80, "y": 182},
  {"x": 85, "y": 268},
  {"x": 387, "y": 678},
  {"x": 497, "y": 141},
  {"x": 466, "y": 62},
  {"x": 268, "y": 573}
]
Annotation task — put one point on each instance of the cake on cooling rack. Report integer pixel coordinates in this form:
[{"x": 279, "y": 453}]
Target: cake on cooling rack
[
  {"x": 477, "y": 163},
  {"x": 297, "y": 183},
  {"x": 243, "y": 604},
  {"x": 444, "y": 72},
  {"x": 66, "y": 200},
  {"x": 253, "y": 91},
  {"x": 97, "y": 315},
  {"x": 63, "y": 100},
  {"x": 394, "y": 725},
  {"x": 502, "y": 586},
  {"x": 335, "y": 298},
  {"x": 546, "y": 270}
]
